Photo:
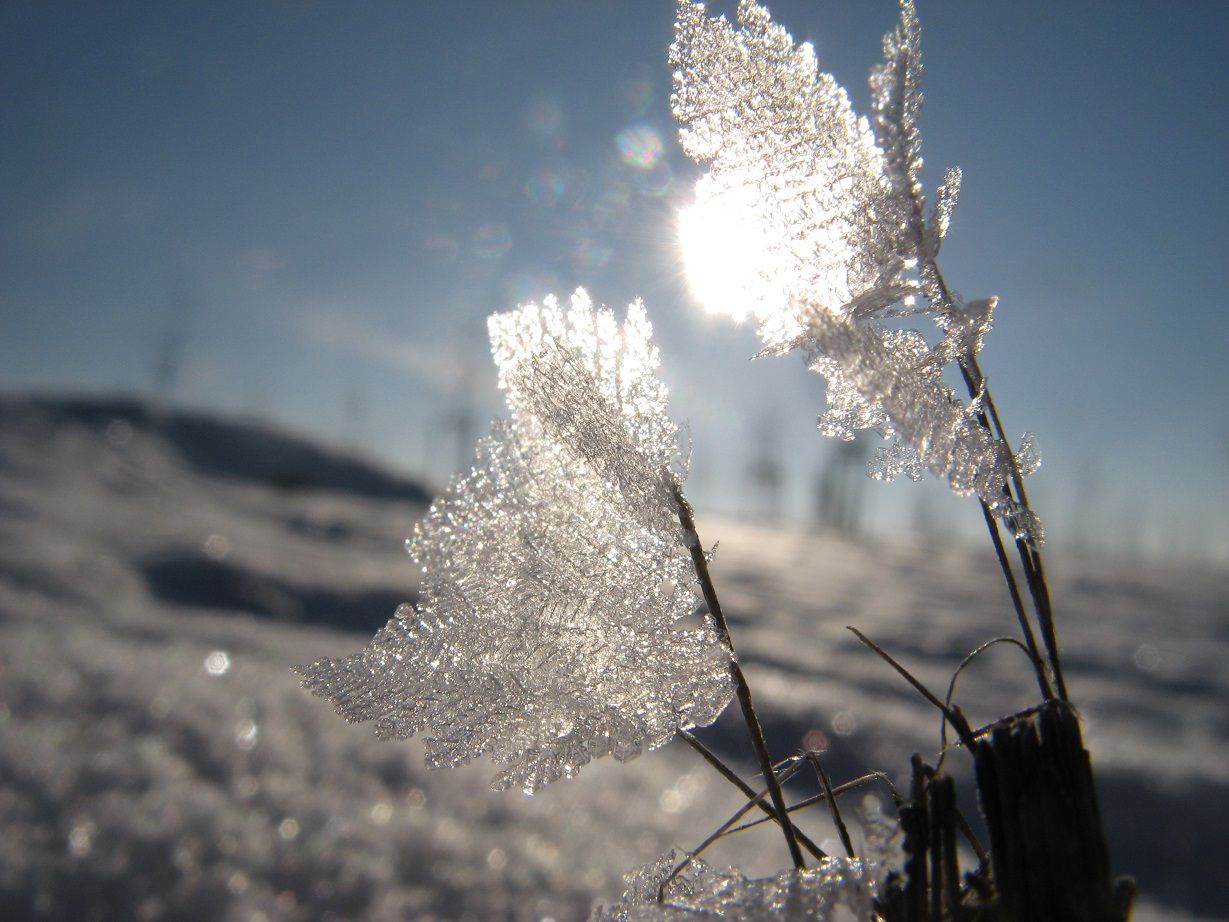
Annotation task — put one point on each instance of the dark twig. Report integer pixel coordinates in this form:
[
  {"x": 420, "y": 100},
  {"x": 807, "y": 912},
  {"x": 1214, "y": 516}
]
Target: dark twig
[
  {"x": 951, "y": 686},
  {"x": 1042, "y": 679},
  {"x": 741, "y": 688},
  {"x": 717, "y": 834},
  {"x": 953, "y": 715},
  {"x": 729, "y": 775},
  {"x": 839, "y": 790},
  {"x": 826, "y": 783},
  {"x": 1030, "y": 557}
]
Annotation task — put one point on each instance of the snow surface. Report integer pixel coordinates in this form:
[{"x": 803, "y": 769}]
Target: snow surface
[{"x": 158, "y": 760}]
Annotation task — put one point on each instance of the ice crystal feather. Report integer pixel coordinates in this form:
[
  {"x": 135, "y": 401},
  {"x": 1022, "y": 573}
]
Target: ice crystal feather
[
  {"x": 830, "y": 217},
  {"x": 837, "y": 889},
  {"x": 555, "y": 572}
]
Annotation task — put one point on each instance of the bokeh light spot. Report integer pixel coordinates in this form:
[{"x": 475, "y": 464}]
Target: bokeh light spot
[
  {"x": 591, "y": 255},
  {"x": 815, "y": 740},
  {"x": 844, "y": 723},
  {"x": 216, "y": 547},
  {"x": 640, "y": 146},
  {"x": 492, "y": 240},
  {"x": 1147, "y": 657},
  {"x": 246, "y": 733},
  {"x": 545, "y": 119},
  {"x": 217, "y": 663},
  {"x": 546, "y": 188},
  {"x": 381, "y": 812},
  {"x": 440, "y": 243}
]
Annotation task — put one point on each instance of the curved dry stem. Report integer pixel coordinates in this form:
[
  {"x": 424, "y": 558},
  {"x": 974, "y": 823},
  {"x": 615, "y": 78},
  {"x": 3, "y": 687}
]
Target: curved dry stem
[{"x": 951, "y": 686}]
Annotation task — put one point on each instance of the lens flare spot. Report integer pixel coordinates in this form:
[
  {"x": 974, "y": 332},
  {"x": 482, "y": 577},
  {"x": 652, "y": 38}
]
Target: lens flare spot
[
  {"x": 638, "y": 94},
  {"x": 546, "y": 188},
  {"x": 815, "y": 740},
  {"x": 217, "y": 663},
  {"x": 492, "y": 240},
  {"x": 640, "y": 147},
  {"x": 591, "y": 255},
  {"x": 440, "y": 243},
  {"x": 216, "y": 547},
  {"x": 545, "y": 119}
]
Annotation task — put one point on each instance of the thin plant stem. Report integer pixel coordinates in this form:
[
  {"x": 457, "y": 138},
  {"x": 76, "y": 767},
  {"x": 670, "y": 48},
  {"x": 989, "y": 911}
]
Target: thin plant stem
[
  {"x": 834, "y": 808},
  {"x": 731, "y": 776},
  {"x": 958, "y": 721},
  {"x": 840, "y": 789},
  {"x": 741, "y": 689},
  {"x": 1030, "y": 557},
  {"x": 1018, "y": 603},
  {"x": 720, "y": 831}
]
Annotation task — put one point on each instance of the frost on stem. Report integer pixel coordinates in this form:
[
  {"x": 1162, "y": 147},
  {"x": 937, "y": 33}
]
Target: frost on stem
[
  {"x": 812, "y": 220},
  {"x": 838, "y": 889},
  {"x": 555, "y": 572}
]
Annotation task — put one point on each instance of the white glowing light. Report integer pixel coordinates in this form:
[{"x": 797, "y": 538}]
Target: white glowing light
[
  {"x": 726, "y": 252},
  {"x": 217, "y": 663}
]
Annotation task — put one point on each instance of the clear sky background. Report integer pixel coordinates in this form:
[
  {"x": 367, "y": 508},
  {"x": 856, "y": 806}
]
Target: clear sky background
[{"x": 311, "y": 208}]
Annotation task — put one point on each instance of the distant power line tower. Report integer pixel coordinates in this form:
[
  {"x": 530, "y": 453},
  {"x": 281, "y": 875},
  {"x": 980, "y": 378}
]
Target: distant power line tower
[
  {"x": 765, "y": 472},
  {"x": 840, "y": 488},
  {"x": 355, "y": 412},
  {"x": 173, "y": 340}
]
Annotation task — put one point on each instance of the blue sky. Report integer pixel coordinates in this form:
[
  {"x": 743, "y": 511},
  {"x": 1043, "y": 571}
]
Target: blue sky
[{"x": 337, "y": 194}]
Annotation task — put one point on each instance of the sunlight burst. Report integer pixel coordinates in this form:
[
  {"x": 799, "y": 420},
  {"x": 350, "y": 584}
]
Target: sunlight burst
[{"x": 726, "y": 252}]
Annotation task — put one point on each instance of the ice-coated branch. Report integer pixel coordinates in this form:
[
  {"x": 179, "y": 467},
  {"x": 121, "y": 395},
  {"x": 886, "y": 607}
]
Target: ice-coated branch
[{"x": 555, "y": 572}]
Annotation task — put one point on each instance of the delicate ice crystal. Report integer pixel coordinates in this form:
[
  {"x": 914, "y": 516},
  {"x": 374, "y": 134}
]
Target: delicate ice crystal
[
  {"x": 838, "y": 890},
  {"x": 555, "y": 572},
  {"x": 786, "y": 151},
  {"x": 833, "y": 215},
  {"x": 896, "y": 104}
]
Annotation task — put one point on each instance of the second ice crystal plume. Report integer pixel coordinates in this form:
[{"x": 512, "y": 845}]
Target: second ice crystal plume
[
  {"x": 555, "y": 572},
  {"x": 837, "y": 239}
]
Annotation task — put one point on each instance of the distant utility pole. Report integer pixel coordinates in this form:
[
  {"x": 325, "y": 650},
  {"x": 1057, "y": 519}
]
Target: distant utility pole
[
  {"x": 168, "y": 359},
  {"x": 839, "y": 489},
  {"x": 765, "y": 471}
]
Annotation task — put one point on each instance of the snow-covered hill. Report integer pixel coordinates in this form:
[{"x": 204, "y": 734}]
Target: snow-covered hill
[{"x": 159, "y": 574}]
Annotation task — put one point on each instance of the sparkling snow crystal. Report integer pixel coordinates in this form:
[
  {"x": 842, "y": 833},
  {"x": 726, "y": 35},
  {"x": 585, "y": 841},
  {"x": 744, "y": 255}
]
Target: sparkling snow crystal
[
  {"x": 555, "y": 572},
  {"x": 812, "y": 220},
  {"x": 838, "y": 890}
]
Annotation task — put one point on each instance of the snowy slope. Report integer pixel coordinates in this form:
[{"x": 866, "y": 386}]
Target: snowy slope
[{"x": 159, "y": 574}]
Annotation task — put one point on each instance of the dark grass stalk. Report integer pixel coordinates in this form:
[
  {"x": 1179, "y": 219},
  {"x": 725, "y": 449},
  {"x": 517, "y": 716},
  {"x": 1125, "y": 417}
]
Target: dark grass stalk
[
  {"x": 834, "y": 808},
  {"x": 839, "y": 790},
  {"x": 731, "y": 776},
  {"x": 741, "y": 688},
  {"x": 1017, "y": 602},
  {"x": 958, "y": 721},
  {"x": 1030, "y": 558},
  {"x": 951, "y": 686}
]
